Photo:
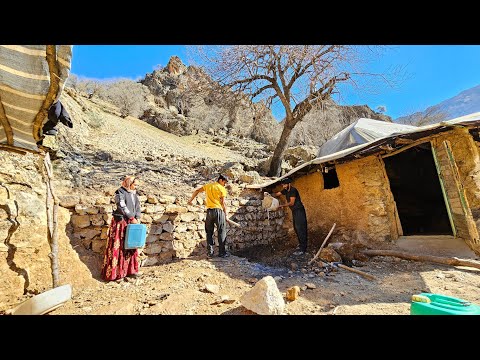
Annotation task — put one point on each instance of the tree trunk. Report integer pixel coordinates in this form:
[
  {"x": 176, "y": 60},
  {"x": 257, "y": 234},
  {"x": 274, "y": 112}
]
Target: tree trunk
[
  {"x": 426, "y": 258},
  {"x": 276, "y": 163}
]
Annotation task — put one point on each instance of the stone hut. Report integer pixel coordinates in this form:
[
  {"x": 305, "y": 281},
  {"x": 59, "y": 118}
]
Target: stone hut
[{"x": 384, "y": 181}]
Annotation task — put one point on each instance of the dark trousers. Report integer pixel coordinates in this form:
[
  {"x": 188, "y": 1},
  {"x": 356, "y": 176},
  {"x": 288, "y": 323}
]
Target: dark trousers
[
  {"x": 300, "y": 225},
  {"x": 216, "y": 217}
]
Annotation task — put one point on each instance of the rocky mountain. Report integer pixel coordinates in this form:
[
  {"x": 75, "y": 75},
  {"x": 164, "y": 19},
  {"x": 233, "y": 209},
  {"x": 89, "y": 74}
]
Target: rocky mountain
[
  {"x": 178, "y": 109},
  {"x": 467, "y": 102},
  {"x": 184, "y": 138}
]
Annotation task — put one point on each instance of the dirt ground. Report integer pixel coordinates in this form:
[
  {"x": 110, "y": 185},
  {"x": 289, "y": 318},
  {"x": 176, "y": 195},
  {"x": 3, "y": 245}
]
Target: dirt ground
[{"x": 180, "y": 287}]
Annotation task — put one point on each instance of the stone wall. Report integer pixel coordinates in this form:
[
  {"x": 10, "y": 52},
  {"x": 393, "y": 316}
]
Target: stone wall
[
  {"x": 25, "y": 266},
  {"x": 175, "y": 230}
]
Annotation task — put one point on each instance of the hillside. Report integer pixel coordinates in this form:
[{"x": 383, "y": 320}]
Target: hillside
[
  {"x": 102, "y": 147},
  {"x": 466, "y": 102}
]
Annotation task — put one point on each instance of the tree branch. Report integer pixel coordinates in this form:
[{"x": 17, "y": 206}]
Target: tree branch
[
  {"x": 262, "y": 89},
  {"x": 304, "y": 107},
  {"x": 251, "y": 79},
  {"x": 298, "y": 73}
]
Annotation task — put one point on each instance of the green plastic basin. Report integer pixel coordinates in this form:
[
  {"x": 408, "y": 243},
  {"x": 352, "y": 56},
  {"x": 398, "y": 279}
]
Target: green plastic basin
[{"x": 441, "y": 305}]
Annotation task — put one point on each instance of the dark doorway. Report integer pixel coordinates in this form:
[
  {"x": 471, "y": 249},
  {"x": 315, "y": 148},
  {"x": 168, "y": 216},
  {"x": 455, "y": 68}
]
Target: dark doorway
[{"x": 416, "y": 189}]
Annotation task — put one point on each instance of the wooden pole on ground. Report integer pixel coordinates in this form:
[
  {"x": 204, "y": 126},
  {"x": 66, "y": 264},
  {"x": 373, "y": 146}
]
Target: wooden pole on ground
[
  {"x": 323, "y": 244},
  {"x": 453, "y": 261},
  {"x": 364, "y": 274}
]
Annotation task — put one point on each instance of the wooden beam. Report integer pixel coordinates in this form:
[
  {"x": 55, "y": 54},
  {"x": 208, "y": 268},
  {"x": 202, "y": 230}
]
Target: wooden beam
[
  {"x": 404, "y": 141},
  {"x": 51, "y": 52},
  {"x": 52, "y": 219},
  {"x": 362, "y": 273},
  {"x": 386, "y": 147},
  {"x": 442, "y": 186},
  {"x": 17, "y": 150},
  {"x": 323, "y": 244},
  {"x": 418, "y": 142},
  {"x": 6, "y": 125},
  {"x": 453, "y": 261}
]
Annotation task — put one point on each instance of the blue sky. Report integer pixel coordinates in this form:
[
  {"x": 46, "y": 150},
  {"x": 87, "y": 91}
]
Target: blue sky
[{"x": 434, "y": 72}]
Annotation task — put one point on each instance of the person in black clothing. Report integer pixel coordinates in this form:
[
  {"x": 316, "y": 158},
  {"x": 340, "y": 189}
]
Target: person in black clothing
[
  {"x": 298, "y": 213},
  {"x": 56, "y": 113}
]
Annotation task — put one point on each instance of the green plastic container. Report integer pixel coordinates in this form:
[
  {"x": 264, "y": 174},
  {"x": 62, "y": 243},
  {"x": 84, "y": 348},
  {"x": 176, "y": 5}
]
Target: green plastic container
[{"x": 436, "y": 304}]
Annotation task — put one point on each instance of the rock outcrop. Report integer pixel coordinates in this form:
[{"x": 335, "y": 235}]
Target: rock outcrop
[{"x": 24, "y": 248}]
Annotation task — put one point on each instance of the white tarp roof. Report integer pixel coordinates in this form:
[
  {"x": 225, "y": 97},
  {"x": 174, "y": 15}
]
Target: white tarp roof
[
  {"x": 365, "y": 132},
  {"x": 360, "y": 132}
]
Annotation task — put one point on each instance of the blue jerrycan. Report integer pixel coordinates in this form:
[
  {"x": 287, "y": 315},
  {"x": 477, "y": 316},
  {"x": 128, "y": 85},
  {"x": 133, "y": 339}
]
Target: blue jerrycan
[{"x": 135, "y": 236}]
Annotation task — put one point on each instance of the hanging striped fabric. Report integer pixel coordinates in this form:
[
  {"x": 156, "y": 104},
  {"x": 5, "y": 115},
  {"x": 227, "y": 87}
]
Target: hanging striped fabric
[{"x": 32, "y": 77}]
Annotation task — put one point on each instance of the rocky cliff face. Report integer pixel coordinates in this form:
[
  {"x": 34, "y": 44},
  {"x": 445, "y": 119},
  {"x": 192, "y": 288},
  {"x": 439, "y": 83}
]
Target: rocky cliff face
[
  {"x": 24, "y": 262},
  {"x": 179, "y": 109}
]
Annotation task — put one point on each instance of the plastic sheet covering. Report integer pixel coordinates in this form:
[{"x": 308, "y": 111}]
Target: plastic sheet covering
[{"x": 360, "y": 132}]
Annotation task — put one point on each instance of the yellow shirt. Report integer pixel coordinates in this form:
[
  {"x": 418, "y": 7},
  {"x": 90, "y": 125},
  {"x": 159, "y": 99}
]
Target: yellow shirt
[{"x": 214, "y": 192}]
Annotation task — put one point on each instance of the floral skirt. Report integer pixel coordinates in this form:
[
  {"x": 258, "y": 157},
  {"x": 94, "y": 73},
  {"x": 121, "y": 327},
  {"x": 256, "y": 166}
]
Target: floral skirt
[{"x": 118, "y": 262}]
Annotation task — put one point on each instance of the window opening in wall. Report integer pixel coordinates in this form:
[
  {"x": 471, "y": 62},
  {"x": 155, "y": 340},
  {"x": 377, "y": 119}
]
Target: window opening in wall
[
  {"x": 330, "y": 178},
  {"x": 475, "y": 132}
]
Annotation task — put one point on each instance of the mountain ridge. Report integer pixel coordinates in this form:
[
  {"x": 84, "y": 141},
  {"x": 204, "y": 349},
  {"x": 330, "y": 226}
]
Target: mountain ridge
[{"x": 464, "y": 103}]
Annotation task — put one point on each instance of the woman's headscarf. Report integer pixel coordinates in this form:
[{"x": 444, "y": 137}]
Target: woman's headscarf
[{"x": 127, "y": 183}]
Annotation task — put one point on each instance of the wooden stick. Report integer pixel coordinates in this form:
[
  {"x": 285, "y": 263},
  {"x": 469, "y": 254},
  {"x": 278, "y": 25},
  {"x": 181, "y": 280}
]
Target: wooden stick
[
  {"x": 364, "y": 274},
  {"x": 231, "y": 222},
  {"x": 453, "y": 261},
  {"x": 52, "y": 220},
  {"x": 7, "y": 128},
  {"x": 323, "y": 244}
]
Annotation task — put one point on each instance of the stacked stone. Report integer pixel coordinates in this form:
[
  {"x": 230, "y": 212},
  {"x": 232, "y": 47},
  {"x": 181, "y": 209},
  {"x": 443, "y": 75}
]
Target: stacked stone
[{"x": 173, "y": 230}]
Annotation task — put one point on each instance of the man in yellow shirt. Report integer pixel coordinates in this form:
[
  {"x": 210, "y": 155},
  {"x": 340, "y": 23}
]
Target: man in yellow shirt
[{"x": 216, "y": 214}]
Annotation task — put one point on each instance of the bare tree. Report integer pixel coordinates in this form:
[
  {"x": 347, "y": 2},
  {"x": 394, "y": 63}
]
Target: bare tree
[
  {"x": 128, "y": 95},
  {"x": 72, "y": 81},
  {"x": 431, "y": 115},
  {"x": 90, "y": 87},
  {"x": 300, "y": 77}
]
